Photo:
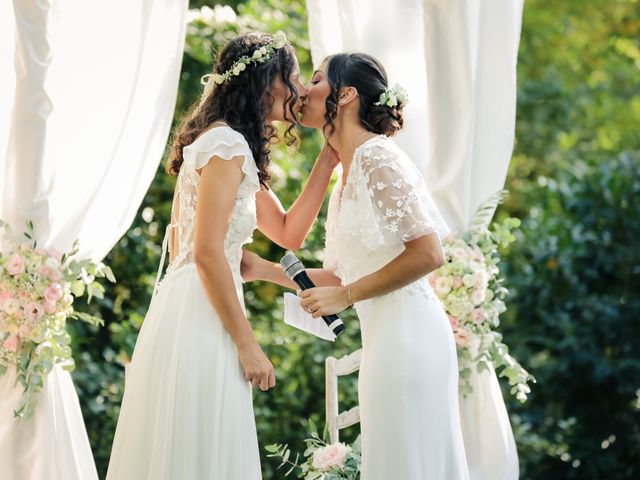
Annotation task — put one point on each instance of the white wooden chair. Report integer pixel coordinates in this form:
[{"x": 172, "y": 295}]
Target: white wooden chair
[{"x": 335, "y": 368}]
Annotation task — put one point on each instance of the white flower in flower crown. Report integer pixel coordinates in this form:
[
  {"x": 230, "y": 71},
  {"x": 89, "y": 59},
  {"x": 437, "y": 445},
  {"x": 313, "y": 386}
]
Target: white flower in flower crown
[
  {"x": 393, "y": 96},
  {"x": 279, "y": 40}
]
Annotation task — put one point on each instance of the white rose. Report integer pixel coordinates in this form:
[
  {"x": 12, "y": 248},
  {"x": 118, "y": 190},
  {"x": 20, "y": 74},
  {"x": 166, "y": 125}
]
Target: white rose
[
  {"x": 478, "y": 296},
  {"x": 11, "y": 306},
  {"x": 443, "y": 285},
  {"x": 242, "y": 66},
  {"x": 468, "y": 280}
]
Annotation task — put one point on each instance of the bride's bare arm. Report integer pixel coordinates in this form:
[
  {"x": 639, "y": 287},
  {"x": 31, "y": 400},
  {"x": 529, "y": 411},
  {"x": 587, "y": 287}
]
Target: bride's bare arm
[
  {"x": 289, "y": 228},
  {"x": 257, "y": 268},
  {"x": 219, "y": 182},
  {"x": 420, "y": 257}
]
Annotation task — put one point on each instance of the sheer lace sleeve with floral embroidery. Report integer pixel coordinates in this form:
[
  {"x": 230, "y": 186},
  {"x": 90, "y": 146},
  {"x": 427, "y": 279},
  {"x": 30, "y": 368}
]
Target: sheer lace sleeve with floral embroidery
[{"x": 402, "y": 207}]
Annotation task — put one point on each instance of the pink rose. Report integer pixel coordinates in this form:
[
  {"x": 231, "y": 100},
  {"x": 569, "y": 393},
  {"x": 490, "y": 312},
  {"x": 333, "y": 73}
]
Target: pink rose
[
  {"x": 4, "y": 296},
  {"x": 24, "y": 331},
  {"x": 50, "y": 307},
  {"x": 457, "y": 282},
  {"x": 54, "y": 275},
  {"x": 330, "y": 456},
  {"x": 462, "y": 337},
  {"x": 454, "y": 322},
  {"x": 477, "y": 315},
  {"x": 33, "y": 311},
  {"x": 11, "y": 343},
  {"x": 15, "y": 264},
  {"x": 55, "y": 254},
  {"x": 53, "y": 293}
]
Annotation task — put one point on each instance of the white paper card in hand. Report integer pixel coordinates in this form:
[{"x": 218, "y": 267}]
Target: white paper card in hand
[{"x": 296, "y": 316}]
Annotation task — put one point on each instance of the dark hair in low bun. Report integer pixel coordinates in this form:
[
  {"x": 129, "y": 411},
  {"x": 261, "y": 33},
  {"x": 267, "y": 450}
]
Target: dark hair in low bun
[{"x": 369, "y": 78}]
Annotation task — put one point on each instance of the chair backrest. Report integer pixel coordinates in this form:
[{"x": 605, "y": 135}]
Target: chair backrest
[{"x": 335, "y": 368}]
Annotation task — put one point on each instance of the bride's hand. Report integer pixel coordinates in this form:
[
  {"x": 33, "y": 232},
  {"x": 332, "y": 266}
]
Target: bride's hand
[
  {"x": 329, "y": 156},
  {"x": 256, "y": 367},
  {"x": 322, "y": 301},
  {"x": 251, "y": 266}
]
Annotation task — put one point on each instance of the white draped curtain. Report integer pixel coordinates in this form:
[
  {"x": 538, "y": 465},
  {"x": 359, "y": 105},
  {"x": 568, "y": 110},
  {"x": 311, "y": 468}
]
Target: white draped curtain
[
  {"x": 87, "y": 92},
  {"x": 457, "y": 60}
]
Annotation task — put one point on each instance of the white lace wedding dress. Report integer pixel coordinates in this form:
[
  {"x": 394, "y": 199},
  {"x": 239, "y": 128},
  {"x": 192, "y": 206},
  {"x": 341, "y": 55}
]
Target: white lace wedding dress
[
  {"x": 408, "y": 383},
  {"x": 187, "y": 411}
]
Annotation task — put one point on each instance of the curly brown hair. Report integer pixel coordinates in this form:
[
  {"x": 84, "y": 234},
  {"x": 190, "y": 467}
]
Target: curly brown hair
[
  {"x": 242, "y": 102},
  {"x": 369, "y": 78}
]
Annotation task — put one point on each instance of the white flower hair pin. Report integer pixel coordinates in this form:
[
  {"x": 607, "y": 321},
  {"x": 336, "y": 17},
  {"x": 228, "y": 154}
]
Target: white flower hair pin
[
  {"x": 260, "y": 55},
  {"x": 393, "y": 97}
]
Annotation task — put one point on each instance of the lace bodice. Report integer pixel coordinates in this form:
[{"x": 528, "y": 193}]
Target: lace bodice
[
  {"x": 384, "y": 204},
  {"x": 225, "y": 143}
]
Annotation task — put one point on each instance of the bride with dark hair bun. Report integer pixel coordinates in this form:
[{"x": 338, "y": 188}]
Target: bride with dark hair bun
[{"x": 383, "y": 235}]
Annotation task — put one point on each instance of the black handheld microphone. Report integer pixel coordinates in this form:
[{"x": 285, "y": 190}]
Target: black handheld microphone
[{"x": 294, "y": 269}]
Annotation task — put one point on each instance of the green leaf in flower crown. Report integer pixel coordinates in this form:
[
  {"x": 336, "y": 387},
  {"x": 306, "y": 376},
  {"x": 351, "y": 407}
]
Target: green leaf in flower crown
[{"x": 483, "y": 215}]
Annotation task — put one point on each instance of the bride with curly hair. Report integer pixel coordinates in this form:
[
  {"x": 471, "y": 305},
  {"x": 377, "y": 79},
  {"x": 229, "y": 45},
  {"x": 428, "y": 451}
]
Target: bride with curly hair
[{"x": 187, "y": 410}]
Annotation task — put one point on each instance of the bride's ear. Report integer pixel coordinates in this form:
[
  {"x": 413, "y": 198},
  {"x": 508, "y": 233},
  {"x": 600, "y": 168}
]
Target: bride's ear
[{"x": 346, "y": 95}]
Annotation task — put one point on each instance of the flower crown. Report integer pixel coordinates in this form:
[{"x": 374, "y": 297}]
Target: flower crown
[
  {"x": 260, "y": 55},
  {"x": 395, "y": 96}
]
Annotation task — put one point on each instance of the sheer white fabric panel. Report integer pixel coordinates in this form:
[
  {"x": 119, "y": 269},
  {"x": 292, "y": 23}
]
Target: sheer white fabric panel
[
  {"x": 88, "y": 91},
  {"x": 94, "y": 101},
  {"x": 457, "y": 59}
]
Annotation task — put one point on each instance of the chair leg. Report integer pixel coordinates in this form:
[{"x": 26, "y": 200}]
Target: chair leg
[{"x": 331, "y": 393}]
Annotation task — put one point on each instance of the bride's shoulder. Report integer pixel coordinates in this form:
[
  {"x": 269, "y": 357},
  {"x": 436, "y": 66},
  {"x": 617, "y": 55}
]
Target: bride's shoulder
[
  {"x": 380, "y": 152},
  {"x": 217, "y": 135}
]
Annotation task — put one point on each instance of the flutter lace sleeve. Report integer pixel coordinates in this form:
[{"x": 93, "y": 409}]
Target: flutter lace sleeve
[{"x": 395, "y": 198}]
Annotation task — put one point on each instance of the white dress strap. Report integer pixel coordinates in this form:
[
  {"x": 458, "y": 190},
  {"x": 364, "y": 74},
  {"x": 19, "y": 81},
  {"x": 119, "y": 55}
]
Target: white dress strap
[{"x": 165, "y": 242}]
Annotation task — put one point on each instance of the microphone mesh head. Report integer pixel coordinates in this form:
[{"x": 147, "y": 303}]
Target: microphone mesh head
[{"x": 291, "y": 265}]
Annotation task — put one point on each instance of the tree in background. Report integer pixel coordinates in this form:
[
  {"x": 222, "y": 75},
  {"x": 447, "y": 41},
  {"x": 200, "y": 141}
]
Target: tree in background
[{"x": 574, "y": 274}]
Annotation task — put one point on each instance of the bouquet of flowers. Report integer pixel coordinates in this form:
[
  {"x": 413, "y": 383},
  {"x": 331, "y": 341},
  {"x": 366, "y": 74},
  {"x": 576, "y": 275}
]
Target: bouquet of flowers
[
  {"x": 337, "y": 461},
  {"x": 470, "y": 288},
  {"x": 37, "y": 289}
]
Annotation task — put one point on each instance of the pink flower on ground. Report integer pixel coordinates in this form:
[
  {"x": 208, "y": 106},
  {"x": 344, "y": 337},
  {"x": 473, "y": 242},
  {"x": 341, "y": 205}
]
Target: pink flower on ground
[
  {"x": 11, "y": 343},
  {"x": 330, "y": 456},
  {"x": 53, "y": 293},
  {"x": 478, "y": 315},
  {"x": 454, "y": 322},
  {"x": 15, "y": 264},
  {"x": 462, "y": 337},
  {"x": 33, "y": 311}
]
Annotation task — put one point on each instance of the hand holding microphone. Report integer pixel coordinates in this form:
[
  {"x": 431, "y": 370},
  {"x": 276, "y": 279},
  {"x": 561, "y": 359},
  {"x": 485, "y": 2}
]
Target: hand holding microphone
[{"x": 294, "y": 269}]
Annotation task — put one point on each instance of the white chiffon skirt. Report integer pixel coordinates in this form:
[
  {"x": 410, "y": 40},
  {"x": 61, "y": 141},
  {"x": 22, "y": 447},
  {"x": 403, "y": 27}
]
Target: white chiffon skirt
[
  {"x": 187, "y": 412},
  {"x": 53, "y": 443},
  {"x": 408, "y": 391}
]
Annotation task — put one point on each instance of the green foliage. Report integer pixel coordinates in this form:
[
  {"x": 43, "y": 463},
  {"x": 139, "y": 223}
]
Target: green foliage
[{"x": 573, "y": 272}]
